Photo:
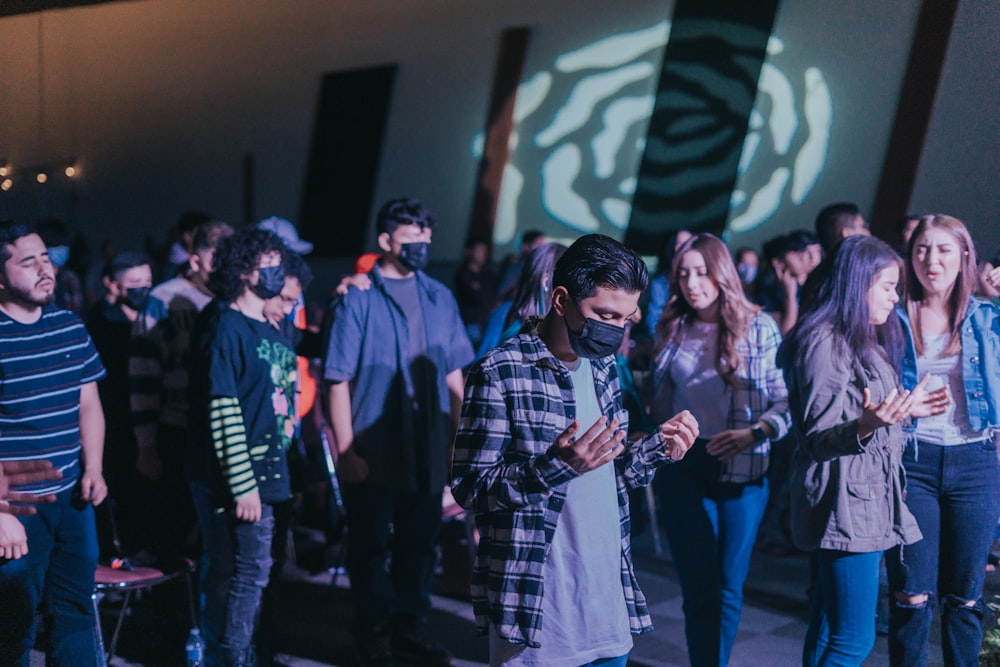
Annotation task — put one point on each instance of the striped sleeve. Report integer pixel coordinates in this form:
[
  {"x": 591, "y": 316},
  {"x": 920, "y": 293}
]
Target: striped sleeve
[{"x": 229, "y": 439}]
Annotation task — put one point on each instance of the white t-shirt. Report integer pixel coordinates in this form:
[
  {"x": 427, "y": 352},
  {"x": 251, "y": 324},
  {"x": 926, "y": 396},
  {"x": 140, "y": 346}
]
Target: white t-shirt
[{"x": 584, "y": 617}]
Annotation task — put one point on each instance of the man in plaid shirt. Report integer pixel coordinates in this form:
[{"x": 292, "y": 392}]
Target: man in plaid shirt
[{"x": 552, "y": 514}]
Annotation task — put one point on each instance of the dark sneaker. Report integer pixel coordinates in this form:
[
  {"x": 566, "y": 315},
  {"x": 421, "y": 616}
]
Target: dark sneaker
[
  {"x": 374, "y": 651},
  {"x": 412, "y": 646}
]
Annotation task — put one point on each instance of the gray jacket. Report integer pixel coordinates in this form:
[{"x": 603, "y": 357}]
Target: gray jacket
[{"x": 846, "y": 495}]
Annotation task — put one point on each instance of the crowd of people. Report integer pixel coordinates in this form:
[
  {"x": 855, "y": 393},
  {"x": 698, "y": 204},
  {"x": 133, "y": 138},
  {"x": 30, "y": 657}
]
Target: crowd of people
[{"x": 835, "y": 392}]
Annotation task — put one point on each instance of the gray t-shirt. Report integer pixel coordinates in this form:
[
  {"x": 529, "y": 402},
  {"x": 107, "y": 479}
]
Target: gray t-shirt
[{"x": 584, "y": 617}]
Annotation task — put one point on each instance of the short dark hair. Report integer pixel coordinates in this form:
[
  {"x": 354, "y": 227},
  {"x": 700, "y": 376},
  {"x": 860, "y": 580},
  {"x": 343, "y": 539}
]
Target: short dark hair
[
  {"x": 191, "y": 219},
  {"x": 296, "y": 267},
  {"x": 239, "y": 254},
  {"x": 123, "y": 261},
  {"x": 10, "y": 233},
  {"x": 832, "y": 219},
  {"x": 208, "y": 234},
  {"x": 596, "y": 260},
  {"x": 403, "y": 211},
  {"x": 531, "y": 236},
  {"x": 779, "y": 247}
]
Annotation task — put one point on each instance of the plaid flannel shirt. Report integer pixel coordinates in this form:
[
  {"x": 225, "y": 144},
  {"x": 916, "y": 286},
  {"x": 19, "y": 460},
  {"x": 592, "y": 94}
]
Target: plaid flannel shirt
[
  {"x": 760, "y": 395},
  {"x": 518, "y": 399}
]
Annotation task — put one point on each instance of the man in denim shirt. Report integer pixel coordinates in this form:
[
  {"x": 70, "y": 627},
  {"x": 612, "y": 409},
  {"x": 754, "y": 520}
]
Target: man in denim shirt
[{"x": 394, "y": 359}]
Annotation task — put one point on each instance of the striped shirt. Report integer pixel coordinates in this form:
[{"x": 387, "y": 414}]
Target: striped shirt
[
  {"x": 42, "y": 367},
  {"x": 759, "y": 395},
  {"x": 518, "y": 399}
]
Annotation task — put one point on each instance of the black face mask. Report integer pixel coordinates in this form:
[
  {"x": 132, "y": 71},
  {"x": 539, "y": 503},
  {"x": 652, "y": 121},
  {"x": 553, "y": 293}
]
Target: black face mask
[
  {"x": 270, "y": 281},
  {"x": 135, "y": 297},
  {"x": 597, "y": 339},
  {"x": 414, "y": 256}
]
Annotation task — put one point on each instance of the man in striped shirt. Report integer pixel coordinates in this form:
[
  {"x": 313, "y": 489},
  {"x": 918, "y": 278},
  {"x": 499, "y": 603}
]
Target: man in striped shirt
[{"x": 49, "y": 410}]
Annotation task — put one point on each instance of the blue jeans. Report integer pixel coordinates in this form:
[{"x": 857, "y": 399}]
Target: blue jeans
[
  {"x": 711, "y": 527},
  {"x": 620, "y": 661},
  {"x": 842, "y": 611},
  {"x": 245, "y": 549},
  {"x": 954, "y": 493},
  {"x": 57, "y": 572}
]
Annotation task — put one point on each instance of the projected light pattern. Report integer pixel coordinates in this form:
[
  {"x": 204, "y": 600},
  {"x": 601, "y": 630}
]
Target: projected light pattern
[
  {"x": 586, "y": 119},
  {"x": 788, "y": 152}
]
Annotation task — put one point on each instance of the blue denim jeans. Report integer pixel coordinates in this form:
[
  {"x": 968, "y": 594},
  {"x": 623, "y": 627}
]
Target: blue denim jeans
[
  {"x": 57, "y": 572},
  {"x": 842, "y": 610},
  {"x": 247, "y": 546},
  {"x": 954, "y": 493},
  {"x": 711, "y": 527}
]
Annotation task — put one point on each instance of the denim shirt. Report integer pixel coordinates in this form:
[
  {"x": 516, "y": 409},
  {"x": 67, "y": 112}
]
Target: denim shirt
[
  {"x": 980, "y": 363},
  {"x": 367, "y": 344}
]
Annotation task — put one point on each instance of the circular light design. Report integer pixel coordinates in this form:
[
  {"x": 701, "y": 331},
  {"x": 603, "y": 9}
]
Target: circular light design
[
  {"x": 4, "y": 170},
  {"x": 71, "y": 171},
  {"x": 6, "y": 184}
]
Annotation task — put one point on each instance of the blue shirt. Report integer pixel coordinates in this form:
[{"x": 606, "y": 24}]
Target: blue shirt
[
  {"x": 42, "y": 367},
  {"x": 368, "y": 344}
]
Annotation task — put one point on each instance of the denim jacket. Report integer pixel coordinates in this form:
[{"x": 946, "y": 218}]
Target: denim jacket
[{"x": 980, "y": 363}]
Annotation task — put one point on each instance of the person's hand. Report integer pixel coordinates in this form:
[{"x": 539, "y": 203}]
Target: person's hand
[
  {"x": 13, "y": 539},
  {"x": 148, "y": 464},
  {"x": 358, "y": 280},
  {"x": 680, "y": 432},
  {"x": 728, "y": 444},
  {"x": 351, "y": 468},
  {"x": 248, "y": 507},
  {"x": 92, "y": 487},
  {"x": 18, "y": 473},
  {"x": 893, "y": 409},
  {"x": 929, "y": 403},
  {"x": 599, "y": 444},
  {"x": 790, "y": 282}
]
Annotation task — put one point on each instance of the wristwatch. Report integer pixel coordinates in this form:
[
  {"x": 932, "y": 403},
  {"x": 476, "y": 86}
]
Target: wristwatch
[{"x": 758, "y": 433}]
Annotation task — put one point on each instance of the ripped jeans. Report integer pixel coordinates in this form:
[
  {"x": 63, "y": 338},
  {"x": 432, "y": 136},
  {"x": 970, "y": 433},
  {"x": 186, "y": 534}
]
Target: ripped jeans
[
  {"x": 245, "y": 553},
  {"x": 954, "y": 493}
]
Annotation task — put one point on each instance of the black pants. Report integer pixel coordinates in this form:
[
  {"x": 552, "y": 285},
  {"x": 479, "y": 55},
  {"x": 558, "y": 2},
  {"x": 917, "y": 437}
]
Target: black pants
[{"x": 391, "y": 553}]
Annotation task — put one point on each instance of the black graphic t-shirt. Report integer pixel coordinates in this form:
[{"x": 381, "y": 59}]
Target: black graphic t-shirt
[{"x": 250, "y": 361}]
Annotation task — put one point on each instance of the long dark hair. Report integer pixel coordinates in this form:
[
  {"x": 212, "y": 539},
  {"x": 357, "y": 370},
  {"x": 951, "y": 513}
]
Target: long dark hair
[
  {"x": 837, "y": 304},
  {"x": 533, "y": 290}
]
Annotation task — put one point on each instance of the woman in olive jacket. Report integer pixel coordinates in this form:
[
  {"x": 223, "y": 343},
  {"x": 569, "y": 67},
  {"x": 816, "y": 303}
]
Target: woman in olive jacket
[{"x": 846, "y": 405}]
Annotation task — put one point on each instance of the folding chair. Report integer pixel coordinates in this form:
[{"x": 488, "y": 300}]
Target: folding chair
[{"x": 128, "y": 581}]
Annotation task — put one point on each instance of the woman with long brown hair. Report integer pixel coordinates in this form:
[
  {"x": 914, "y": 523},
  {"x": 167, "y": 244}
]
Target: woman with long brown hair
[{"x": 716, "y": 359}]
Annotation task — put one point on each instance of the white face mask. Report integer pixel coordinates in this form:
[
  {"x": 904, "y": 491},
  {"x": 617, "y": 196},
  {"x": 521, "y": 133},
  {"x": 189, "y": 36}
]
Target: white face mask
[{"x": 747, "y": 272}]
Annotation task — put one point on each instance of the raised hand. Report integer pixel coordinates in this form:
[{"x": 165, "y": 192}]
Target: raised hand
[
  {"x": 929, "y": 403},
  {"x": 680, "y": 432},
  {"x": 599, "y": 444}
]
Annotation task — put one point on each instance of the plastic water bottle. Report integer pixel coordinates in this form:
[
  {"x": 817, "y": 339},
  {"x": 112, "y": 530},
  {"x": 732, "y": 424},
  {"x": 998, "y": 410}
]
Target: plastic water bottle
[{"x": 195, "y": 649}]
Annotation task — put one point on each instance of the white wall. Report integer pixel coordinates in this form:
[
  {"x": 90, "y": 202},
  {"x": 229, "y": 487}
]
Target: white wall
[
  {"x": 960, "y": 166},
  {"x": 160, "y": 99}
]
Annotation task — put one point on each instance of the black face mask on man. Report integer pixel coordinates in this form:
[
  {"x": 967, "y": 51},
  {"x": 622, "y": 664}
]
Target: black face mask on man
[
  {"x": 135, "y": 297},
  {"x": 270, "y": 281},
  {"x": 597, "y": 339},
  {"x": 414, "y": 256}
]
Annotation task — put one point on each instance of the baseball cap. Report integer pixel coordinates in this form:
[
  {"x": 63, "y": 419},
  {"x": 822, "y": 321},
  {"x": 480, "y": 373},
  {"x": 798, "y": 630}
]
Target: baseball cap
[{"x": 287, "y": 233}]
